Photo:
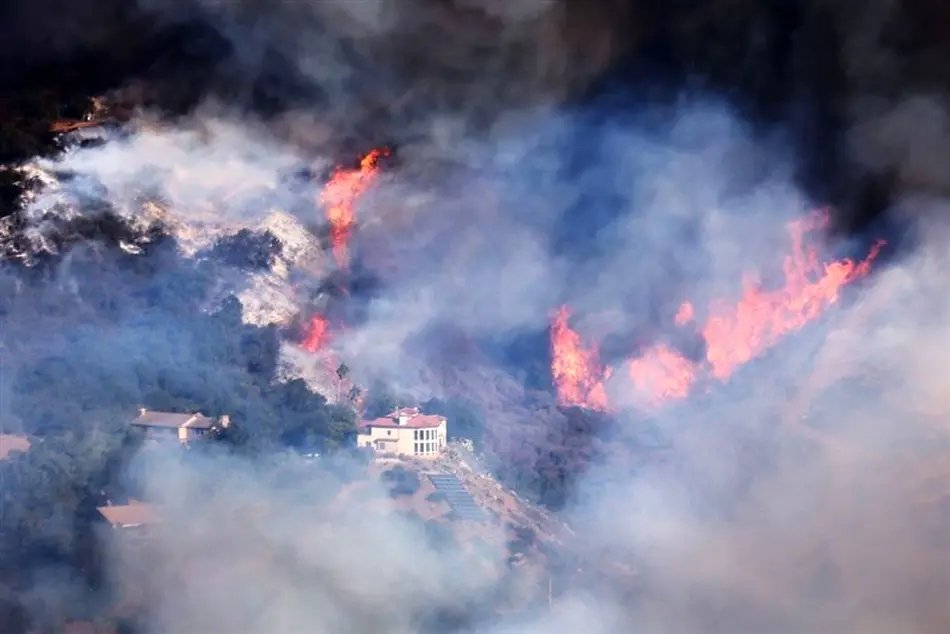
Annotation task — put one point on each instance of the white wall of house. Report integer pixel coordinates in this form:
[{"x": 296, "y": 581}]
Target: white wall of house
[{"x": 405, "y": 441}]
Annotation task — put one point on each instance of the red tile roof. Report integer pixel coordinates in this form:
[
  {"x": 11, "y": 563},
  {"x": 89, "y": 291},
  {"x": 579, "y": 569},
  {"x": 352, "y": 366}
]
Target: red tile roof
[
  {"x": 12, "y": 442},
  {"x": 416, "y": 420}
]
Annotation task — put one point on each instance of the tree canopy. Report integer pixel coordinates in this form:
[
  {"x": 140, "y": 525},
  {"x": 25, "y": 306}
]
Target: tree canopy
[{"x": 92, "y": 333}]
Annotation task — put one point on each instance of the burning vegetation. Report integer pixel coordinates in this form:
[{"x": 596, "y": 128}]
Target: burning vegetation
[
  {"x": 279, "y": 415},
  {"x": 575, "y": 367},
  {"x": 733, "y": 333},
  {"x": 650, "y": 513},
  {"x": 339, "y": 198}
]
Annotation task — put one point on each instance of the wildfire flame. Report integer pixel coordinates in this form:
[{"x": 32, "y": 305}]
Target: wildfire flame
[
  {"x": 733, "y": 333},
  {"x": 339, "y": 198},
  {"x": 736, "y": 334},
  {"x": 316, "y": 340},
  {"x": 317, "y": 335},
  {"x": 575, "y": 367}
]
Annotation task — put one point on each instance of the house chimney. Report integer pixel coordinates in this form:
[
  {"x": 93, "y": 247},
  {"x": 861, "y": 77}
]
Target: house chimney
[{"x": 225, "y": 420}]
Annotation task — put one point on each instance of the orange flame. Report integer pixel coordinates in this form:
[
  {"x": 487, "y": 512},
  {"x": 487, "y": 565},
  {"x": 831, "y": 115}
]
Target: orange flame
[
  {"x": 317, "y": 335},
  {"x": 317, "y": 340},
  {"x": 339, "y": 197},
  {"x": 576, "y": 369},
  {"x": 736, "y": 334},
  {"x": 662, "y": 374}
]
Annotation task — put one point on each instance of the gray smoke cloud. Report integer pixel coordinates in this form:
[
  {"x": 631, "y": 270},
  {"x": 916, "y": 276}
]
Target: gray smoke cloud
[
  {"x": 289, "y": 549},
  {"x": 390, "y": 69},
  {"x": 803, "y": 498},
  {"x": 804, "y": 504},
  {"x": 800, "y": 499},
  {"x": 809, "y": 501},
  {"x": 896, "y": 114}
]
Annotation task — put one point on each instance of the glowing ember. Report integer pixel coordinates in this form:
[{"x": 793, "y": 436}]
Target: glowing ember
[
  {"x": 736, "y": 334},
  {"x": 317, "y": 335},
  {"x": 339, "y": 197},
  {"x": 576, "y": 369}
]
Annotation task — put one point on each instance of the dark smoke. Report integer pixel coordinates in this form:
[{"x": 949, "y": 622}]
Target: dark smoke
[{"x": 844, "y": 86}]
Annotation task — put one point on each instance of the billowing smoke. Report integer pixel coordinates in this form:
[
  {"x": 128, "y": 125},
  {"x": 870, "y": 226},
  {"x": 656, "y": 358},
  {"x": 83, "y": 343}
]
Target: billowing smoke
[
  {"x": 801, "y": 495},
  {"x": 259, "y": 549}
]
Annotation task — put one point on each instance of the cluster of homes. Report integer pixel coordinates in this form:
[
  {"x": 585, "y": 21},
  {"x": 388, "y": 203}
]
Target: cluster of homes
[
  {"x": 405, "y": 432},
  {"x": 158, "y": 427}
]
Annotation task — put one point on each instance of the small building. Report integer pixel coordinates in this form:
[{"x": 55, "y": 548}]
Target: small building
[
  {"x": 184, "y": 428},
  {"x": 133, "y": 518},
  {"x": 10, "y": 443},
  {"x": 405, "y": 432}
]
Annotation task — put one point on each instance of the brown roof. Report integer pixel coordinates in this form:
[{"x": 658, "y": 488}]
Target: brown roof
[
  {"x": 134, "y": 513},
  {"x": 12, "y": 442},
  {"x": 417, "y": 420},
  {"x": 170, "y": 419}
]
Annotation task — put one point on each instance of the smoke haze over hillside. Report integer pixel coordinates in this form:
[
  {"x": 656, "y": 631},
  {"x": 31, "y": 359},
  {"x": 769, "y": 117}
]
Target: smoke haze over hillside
[
  {"x": 787, "y": 507},
  {"x": 802, "y": 495}
]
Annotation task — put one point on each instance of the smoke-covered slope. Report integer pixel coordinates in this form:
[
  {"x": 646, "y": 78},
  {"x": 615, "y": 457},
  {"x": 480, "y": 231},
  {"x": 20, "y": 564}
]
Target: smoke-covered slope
[{"x": 799, "y": 493}]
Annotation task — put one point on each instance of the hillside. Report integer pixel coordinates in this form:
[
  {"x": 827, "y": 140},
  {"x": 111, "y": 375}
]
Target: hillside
[
  {"x": 699, "y": 403},
  {"x": 544, "y": 557}
]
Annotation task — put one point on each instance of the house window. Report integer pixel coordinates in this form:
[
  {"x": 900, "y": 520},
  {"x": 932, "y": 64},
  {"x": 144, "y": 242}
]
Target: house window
[
  {"x": 389, "y": 432},
  {"x": 416, "y": 448},
  {"x": 415, "y": 434}
]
